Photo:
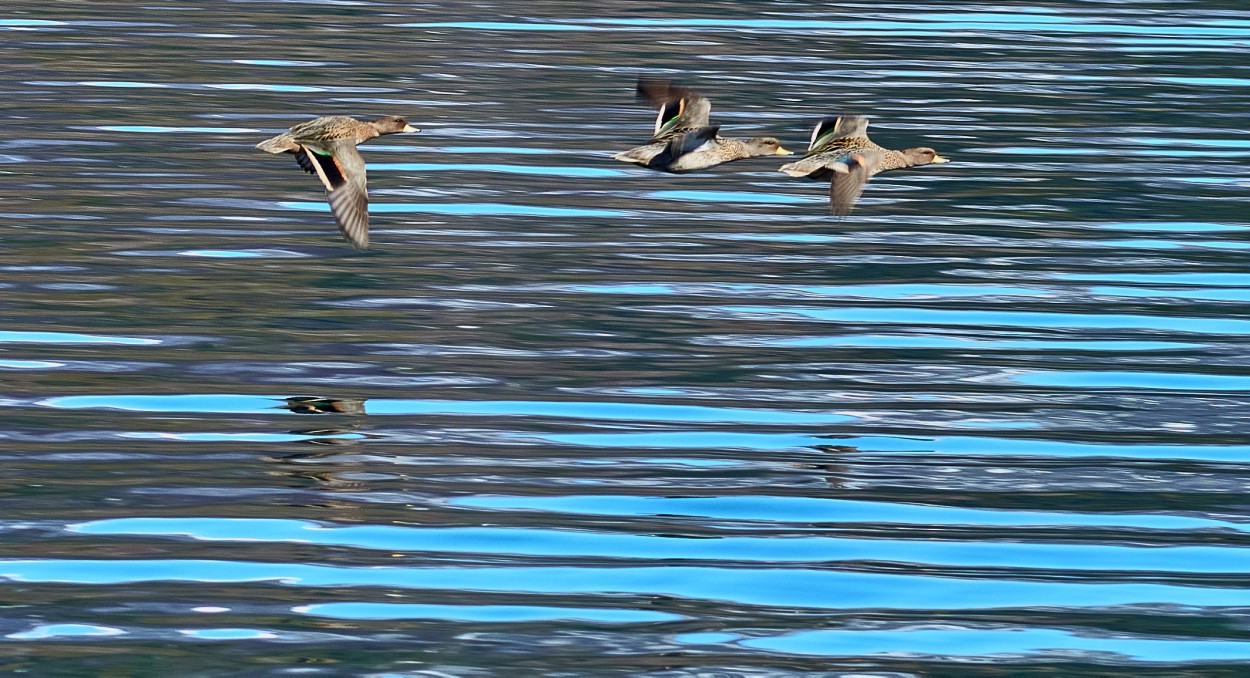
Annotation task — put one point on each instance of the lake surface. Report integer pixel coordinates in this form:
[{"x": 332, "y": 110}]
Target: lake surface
[{"x": 571, "y": 417}]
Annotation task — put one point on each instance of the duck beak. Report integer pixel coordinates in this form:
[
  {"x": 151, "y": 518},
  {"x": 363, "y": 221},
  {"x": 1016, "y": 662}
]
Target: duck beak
[
  {"x": 938, "y": 160},
  {"x": 410, "y": 128},
  {"x": 782, "y": 151}
]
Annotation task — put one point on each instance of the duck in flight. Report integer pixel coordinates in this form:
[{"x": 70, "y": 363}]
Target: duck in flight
[
  {"x": 683, "y": 140},
  {"x": 326, "y": 147},
  {"x": 841, "y": 152}
]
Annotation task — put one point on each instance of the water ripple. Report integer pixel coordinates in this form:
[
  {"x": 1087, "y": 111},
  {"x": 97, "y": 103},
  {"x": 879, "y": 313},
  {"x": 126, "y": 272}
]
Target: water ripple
[{"x": 575, "y": 417}]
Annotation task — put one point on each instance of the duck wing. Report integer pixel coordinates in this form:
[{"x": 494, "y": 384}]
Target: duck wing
[
  {"x": 324, "y": 128},
  {"x": 680, "y": 109},
  {"x": 342, "y": 171},
  {"x": 849, "y": 176},
  {"x": 830, "y": 130}
]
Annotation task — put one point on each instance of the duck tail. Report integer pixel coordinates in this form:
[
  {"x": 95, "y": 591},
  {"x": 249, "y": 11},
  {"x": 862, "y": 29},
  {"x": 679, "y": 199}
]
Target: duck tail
[
  {"x": 279, "y": 144},
  {"x": 638, "y": 156},
  {"x": 815, "y": 168}
]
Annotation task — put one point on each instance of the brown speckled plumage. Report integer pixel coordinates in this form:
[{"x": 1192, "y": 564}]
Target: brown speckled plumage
[
  {"x": 326, "y": 147},
  {"x": 841, "y": 151},
  {"x": 683, "y": 140}
]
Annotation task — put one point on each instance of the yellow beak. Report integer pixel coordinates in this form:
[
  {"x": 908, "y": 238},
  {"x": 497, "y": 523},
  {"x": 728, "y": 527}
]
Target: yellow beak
[
  {"x": 410, "y": 128},
  {"x": 782, "y": 151},
  {"x": 938, "y": 160}
]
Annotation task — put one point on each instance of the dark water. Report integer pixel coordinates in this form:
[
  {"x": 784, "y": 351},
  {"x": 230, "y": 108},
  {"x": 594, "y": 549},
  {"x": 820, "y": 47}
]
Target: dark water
[{"x": 575, "y": 418}]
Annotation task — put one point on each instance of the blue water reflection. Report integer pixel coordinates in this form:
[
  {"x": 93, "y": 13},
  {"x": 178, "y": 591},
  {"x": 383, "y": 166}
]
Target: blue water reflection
[
  {"x": 574, "y": 409},
  {"x": 47, "y": 631},
  {"x": 813, "y": 510},
  {"x": 1008, "y": 643},
  {"x": 534, "y": 542},
  {"x": 1150, "y": 380},
  {"x": 1004, "y": 318},
  {"x": 483, "y": 613},
  {"x": 468, "y": 209},
  {"x": 787, "y": 587},
  {"x": 17, "y": 337},
  {"x": 573, "y": 417},
  {"x": 584, "y": 172},
  {"x": 980, "y": 343}
]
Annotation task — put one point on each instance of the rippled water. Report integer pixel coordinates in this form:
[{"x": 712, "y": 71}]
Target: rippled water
[{"x": 575, "y": 418}]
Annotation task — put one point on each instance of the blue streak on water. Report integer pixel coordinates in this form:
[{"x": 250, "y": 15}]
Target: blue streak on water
[
  {"x": 1147, "y": 380},
  {"x": 223, "y": 254},
  {"x": 155, "y": 129},
  {"x": 789, "y": 587},
  {"x": 1007, "y": 318},
  {"x": 582, "y": 172},
  {"x": 469, "y": 209},
  {"x": 1175, "y": 244},
  {"x": 1174, "y": 153},
  {"x": 960, "y": 23},
  {"x": 1242, "y": 294},
  {"x": 776, "y": 237},
  {"x": 1038, "y": 150},
  {"x": 12, "y": 337},
  {"x": 484, "y": 613},
  {"x": 950, "y": 445},
  {"x": 677, "y": 461},
  {"x": 266, "y": 87},
  {"x": 45, "y": 631},
  {"x": 122, "y": 83},
  {"x": 228, "y": 634},
  {"x": 706, "y": 638},
  {"x": 228, "y": 403},
  {"x": 722, "y": 440},
  {"x": 277, "y": 62},
  {"x": 535, "y": 542},
  {"x": 514, "y": 150},
  {"x": 733, "y": 197},
  {"x": 1012, "y": 642},
  {"x": 980, "y": 344},
  {"x": 30, "y": 22},
  {"x": 1220, "y": 279},
  {"x": 496, "y": 26},
  {"x": 216, "y": 254},
  {"x": 1219, "y": 181},
  {"x": 236, "y": 437},
  {"x": 217, "y": 403},
  {"x": 992, "y": 447},
  {"x": 952, "y": 22},
  {"x": 1173, "y": 142},
  {"x": 1209, "y": 82},
  {"x": 607, "y": 410},
  {"x": 817, "y": 510},
  {"x": 29, "y": 364},
  {"x": 1179, "y": 226},
  {"x": 885, "y": 291}
]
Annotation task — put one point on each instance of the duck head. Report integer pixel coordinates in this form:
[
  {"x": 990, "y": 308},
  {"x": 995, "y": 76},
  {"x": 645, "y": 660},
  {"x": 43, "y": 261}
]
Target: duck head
[
  {"x": 766, "y": 146},
  {"x": 923, "y": 156},
  {"x": 392, "y": 124}
]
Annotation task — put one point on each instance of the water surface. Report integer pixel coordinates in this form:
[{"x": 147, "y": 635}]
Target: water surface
[{"x": 570, "y": 417}]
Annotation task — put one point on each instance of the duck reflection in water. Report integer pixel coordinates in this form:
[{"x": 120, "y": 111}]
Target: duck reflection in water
[
  {"x": 839, "y": 477},
  {"x": 319, "y": 405}
]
